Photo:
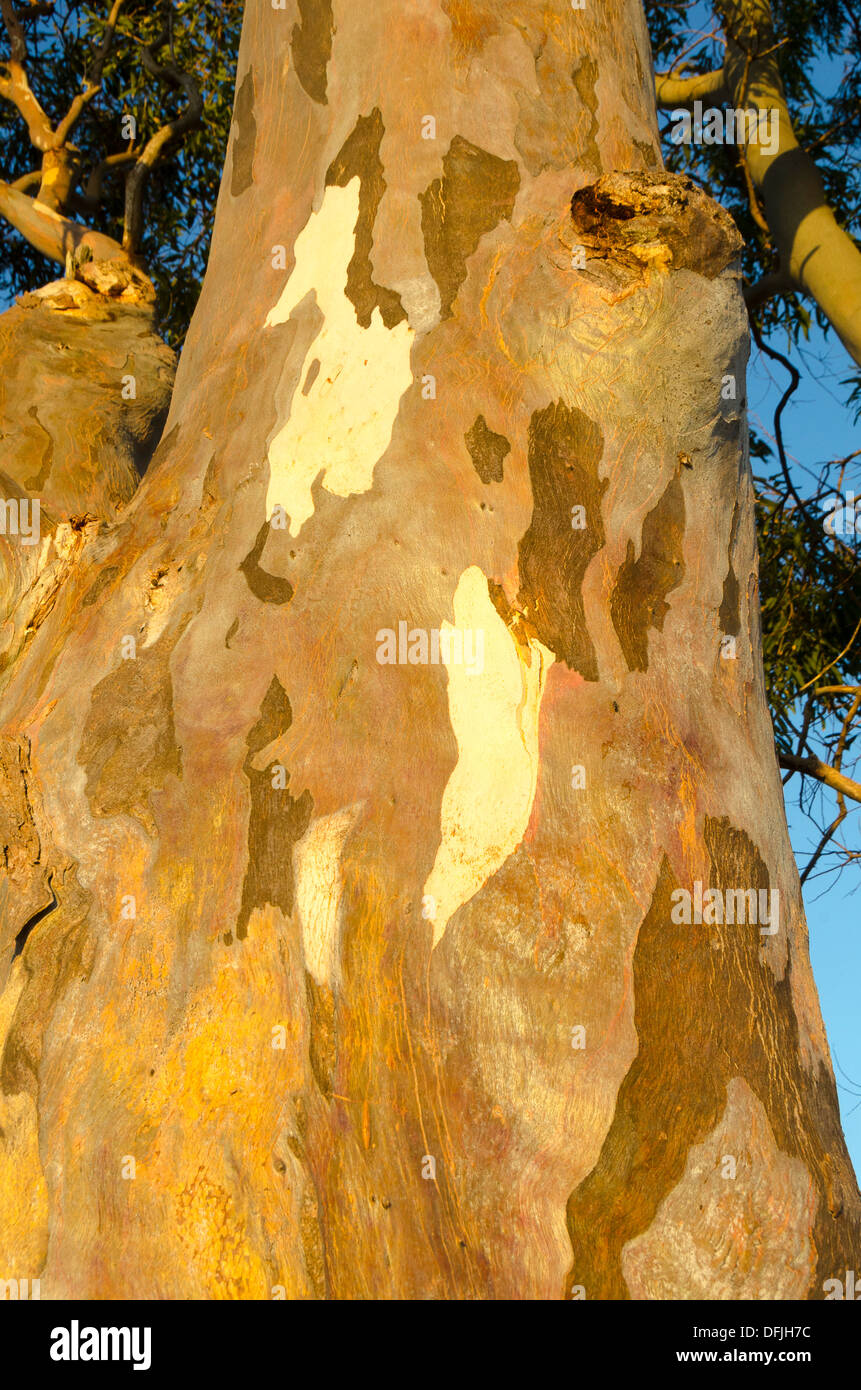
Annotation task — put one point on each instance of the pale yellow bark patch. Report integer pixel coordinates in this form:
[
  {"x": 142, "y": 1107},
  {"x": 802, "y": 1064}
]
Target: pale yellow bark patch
[
  {"x": 317, "y": 867},
  {"x": 494, "y": 714},
  {"x": 343, "y": 426}
]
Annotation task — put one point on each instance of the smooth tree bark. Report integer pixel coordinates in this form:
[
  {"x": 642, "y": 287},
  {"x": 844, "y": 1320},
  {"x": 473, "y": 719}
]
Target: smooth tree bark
[{"x": 332, "y": 968}]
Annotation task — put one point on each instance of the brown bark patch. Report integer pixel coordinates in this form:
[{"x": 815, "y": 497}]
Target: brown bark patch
[
  {"x": 584, "y": 76},
  {"x": 633, "y": 221},
  {"x": 476, "y": 192},
  {"x": 360, "y": 157},
  {"x": 102, "y": 583},
  {"x": 638, "y": 601},
  {"x": 565, "y": 449},
  {"x": 321, "y": 1041},
  {"x": 312, "y": 47},
  {"x": 38, "y": 480},
  {"x": 245, "y": 141},
  {"x": 269, "y": 588},
  {"x": 729, "y": 616},
  {"x": 128, "y": 748},
  {"x": 707, "y": 1007},
  {"x": 487, "y": 450},
  {"x": 276, "y": 822}
]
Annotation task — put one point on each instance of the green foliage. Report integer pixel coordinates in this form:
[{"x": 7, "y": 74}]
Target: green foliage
[
  {"x": 811, "y": 606},
  {"x": 182, "y": 188}
]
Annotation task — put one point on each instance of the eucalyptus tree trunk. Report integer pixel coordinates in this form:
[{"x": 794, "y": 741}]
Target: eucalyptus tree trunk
[{"x": 358, "y": 783}]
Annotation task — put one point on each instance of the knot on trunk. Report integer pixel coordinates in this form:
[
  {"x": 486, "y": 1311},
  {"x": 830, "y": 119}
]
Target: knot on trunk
[{"x": 639, "y": 221}]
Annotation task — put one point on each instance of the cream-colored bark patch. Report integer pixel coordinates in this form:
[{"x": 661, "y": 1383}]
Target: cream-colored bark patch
[
  {"x": 343, "y": 426},
  {"x": 494, "y": 714},
  {"x": 738, "y": 1223},
  {"x": 317, "y": 869}
]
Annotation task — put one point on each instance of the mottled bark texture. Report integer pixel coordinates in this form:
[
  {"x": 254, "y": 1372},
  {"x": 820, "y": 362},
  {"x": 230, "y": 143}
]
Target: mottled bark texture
[
  {"x": 84, "y": 391},
  {"x": 321, "y": 928}
]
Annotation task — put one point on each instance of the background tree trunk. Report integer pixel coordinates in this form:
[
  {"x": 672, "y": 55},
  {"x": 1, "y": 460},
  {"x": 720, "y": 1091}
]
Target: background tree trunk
[{"x": 319, "y": 929}]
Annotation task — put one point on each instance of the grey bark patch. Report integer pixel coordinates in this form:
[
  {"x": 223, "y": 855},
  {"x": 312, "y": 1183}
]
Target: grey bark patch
[
  {"x": 638, "y": 601},
  {"x": 359, "y": 157},
  {"x": 487, "y": 450},
  {"x": 565, "y": 449},
  {"x": 245, "y": 140},
  {"x": 312, "y": 47},
  {"x": 476, "y": 192},
  {"x": 269, "y": 588},
  {"x": 729, "y": 616},
  {"x": 277, "y": 819}
]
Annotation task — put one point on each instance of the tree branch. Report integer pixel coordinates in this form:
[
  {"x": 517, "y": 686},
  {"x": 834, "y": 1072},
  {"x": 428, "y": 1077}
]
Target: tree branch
[
  {"x": 92, "y": 80},
  {"x": 105, "y": 166},
  {"x": 31, "y": 180},
  {"x": 778, "y": 282},
  {"x": 673, "y": 91},
  {"x": 158, "y": 143},
  {"x": 16, "y": 87},
  {"x": 818, "y": 255},
  {"x": 53, "y": 235},
  {"x": 813, "y": 767},
  {"x": 15, "y": 30}
]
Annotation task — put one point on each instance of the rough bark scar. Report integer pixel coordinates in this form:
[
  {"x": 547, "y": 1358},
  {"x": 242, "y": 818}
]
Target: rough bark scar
[
  {"x": 565, "y": 449},
  {"x": 360, "y": 158},
  {"x": 476, "y": 192},
  {"x": 638, "y": 601},
  {"x": 245, "y": 141},
  {"x": 630, "y": 222},
  {"x": 487, "y": 450},
  {"x": 269, "y": 588},
  {"x": 276, "y": 820},
  {"x": 692, "y": 1040},
  {"x": 312, "y": 47}
]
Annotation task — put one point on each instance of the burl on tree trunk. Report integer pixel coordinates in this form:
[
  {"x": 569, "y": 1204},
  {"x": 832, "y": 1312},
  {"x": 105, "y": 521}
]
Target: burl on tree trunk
[{"x": 366, "y": 764}]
